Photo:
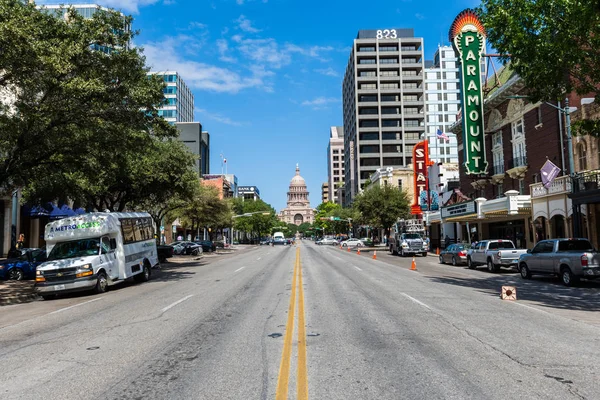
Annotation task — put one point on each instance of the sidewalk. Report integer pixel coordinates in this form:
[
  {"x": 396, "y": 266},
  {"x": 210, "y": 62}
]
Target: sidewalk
[{"x": 15, "y": 292}]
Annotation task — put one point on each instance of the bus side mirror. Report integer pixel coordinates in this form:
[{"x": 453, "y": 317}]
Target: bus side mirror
[{"x": 113, "y": 244}]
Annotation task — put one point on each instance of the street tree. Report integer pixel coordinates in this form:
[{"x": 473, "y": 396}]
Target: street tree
[
  {"x": 554, "y": 46},
  {"x": 67, "y": 108},
  {"x": 261, "y": 220},
  {"x": 381, "y": 206}
]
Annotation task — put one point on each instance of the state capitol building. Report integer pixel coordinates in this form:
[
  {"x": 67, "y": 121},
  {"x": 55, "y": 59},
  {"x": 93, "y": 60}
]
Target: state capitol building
[{"x": 298, "y": 208}]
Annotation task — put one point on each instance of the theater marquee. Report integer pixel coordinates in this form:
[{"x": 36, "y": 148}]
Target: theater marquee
[{"x": 468, "y": 36}]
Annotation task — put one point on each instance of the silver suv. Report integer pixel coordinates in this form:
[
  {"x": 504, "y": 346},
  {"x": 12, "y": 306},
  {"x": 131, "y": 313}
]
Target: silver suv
[{"x": 571, "y": 259}]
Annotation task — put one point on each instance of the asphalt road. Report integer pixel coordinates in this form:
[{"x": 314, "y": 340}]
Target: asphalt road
[{"x": 310, "y": 321}]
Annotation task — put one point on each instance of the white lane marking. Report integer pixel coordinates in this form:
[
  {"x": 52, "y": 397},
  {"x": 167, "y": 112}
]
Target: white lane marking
[
  {"x": 338, "y": 258},
  {"x": 357, "y": 268},
  {"x": 258, "y": 258},
  {"x": 76, "y": 305},
  {"x": 416, "y": 301},
  {"x": 239, "y": 269},
  {"x": 177, "y": 302}
]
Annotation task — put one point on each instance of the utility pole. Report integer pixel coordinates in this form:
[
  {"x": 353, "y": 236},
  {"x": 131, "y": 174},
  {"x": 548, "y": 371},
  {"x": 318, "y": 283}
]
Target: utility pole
[{"x": 576, "y": 208}]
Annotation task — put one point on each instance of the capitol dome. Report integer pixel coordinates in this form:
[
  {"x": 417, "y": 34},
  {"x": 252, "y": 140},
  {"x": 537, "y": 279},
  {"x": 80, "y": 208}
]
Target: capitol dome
[{"x": 297, "y": 180}]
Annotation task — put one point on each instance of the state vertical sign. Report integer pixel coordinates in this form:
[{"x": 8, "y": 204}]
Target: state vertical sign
[
  {"x": 468, "y": 36},
  {"x": 420, "y": 164}
]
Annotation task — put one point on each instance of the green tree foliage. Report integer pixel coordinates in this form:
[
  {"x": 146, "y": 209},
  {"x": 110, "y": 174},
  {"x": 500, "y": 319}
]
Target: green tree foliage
[
  {"x": 255, "y": 225},
  {"x": 381, "y": 206},
  {"x": 204, "y": 210},
  {"x": 554, "y": 45},
  {"x": 74, "y": 121},
  {"x": 327, "y": 210}
]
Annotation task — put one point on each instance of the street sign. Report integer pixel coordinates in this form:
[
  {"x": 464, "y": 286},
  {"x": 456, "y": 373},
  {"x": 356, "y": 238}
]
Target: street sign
[{"x": 468, "y": 36}]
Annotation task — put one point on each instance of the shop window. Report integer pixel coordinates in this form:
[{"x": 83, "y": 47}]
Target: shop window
[{"x": 582, "y": 155}]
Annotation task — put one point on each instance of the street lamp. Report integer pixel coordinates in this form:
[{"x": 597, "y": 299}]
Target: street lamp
[
  {"x": 567, "y": 112},
  {"x": 248, "y": 215}
]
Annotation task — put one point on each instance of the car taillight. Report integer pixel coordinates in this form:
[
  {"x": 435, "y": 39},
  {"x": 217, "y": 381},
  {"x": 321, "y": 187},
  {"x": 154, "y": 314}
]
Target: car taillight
[
  {"x": 499, "y": 254},
  {"x": 584, "y": 261},
  {"x": 462, "y": 253}
]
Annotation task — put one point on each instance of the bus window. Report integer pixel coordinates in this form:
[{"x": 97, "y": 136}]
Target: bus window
[{"x": 127, "y": 228}]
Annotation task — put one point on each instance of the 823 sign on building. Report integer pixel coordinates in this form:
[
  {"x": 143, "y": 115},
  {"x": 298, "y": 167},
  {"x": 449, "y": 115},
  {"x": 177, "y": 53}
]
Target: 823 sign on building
[{"x": 468, "y": 36}]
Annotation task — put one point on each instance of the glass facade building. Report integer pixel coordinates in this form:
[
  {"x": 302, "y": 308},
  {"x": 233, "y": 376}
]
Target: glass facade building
[{"x": 178, "y": 105}]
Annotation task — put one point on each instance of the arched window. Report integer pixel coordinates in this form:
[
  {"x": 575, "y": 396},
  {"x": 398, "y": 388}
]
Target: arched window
[{"x": 582, "y": 156}]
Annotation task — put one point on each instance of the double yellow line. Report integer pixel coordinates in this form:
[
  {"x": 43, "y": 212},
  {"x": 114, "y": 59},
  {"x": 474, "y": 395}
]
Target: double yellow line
[{"x": 286, "y": 356}]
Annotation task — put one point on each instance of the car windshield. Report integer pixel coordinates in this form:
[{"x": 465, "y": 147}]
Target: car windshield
[
  {"x": 575, "y": 245},
  {"x": 75, "y": 248},
  {"x": 412, "y": 236}
]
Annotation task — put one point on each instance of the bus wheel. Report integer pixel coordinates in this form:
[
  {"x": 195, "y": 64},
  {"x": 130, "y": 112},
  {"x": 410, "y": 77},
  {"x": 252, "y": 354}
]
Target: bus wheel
[
  {"x": 101, "y": 283},
  {"x": 145, "y": 275}
]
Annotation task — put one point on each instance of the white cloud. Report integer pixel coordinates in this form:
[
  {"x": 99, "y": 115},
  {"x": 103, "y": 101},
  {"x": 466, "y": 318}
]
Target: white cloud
[
  {"x": 246, "y": 25},
  {"x": 419, "y": 16},
  {"x": 328, "y": 72},
  {"x": 224, "y": 51},
  {"x": 320, "y": 101},
  {"x": 125, "y": 5},
  {"x": 240, "y": 2},
  {"x": 219, "y": 117},
  {"x": 162, "y": 56},
  {"x": 263, "y": 51}
]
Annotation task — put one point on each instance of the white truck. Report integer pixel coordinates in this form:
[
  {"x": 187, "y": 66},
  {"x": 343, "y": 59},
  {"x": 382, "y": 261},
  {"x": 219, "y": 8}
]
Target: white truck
[
  {"x": 95, "y": 250},
  {"x": 494, "y": 254},
  {"x": 408, "y": 238}
]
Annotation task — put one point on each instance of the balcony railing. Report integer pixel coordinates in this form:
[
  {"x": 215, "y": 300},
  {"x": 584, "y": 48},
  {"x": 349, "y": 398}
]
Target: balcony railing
[
  {"x": 498, "y": 169},
  {"x": 584, "y": 181},
  {"x": 520, "y": 161},
  {"x": 560, "y": 185}
]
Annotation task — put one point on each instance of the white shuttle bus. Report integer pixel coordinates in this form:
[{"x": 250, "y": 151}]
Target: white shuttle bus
[{"x": 95, "y": 250}]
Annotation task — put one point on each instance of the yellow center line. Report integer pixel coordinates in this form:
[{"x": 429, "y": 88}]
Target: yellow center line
[
  {"x": 302, "y": 378},
  {"x": 284, "y": 367}
]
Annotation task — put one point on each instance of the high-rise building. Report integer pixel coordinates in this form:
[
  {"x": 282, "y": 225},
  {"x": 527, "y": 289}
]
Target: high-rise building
[
  {"x": 324, "y": 192},
  {"x": 190, "y": 133},
  {"x": 179, "y": 100},
  {"x": 335, "y": 163},
  {"x": 383, "y": 104},
  {"x": 85, "y": 10},
  {"x": 442, "y": 100}
]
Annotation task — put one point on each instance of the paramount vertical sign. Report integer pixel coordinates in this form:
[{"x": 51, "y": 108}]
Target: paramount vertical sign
[
  {"x": 468, "y": 36},
  {"x": 420, "y": 164}
]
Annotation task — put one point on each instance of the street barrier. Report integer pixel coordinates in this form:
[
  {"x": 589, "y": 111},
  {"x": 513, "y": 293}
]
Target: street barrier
[{"x": 509, "y": 293}]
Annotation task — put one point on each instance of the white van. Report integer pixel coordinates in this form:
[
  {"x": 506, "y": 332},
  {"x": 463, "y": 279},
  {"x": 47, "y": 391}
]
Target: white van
[
  {"x": 93, "y": 251},
  {"x": 278, "y": 238}
]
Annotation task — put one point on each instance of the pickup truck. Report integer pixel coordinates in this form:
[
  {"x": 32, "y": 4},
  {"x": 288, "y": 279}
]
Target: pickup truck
[
  {"x": 571, "y": 259},
  {"x": 494, "y": 254}
]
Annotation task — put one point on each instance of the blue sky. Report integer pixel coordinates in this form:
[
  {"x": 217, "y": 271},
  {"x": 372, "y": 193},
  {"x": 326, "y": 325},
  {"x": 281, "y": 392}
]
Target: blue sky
[{"x": 266, "y": 74}]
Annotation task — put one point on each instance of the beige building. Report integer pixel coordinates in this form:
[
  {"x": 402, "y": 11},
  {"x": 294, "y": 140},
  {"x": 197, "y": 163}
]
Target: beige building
[
  {"x": 335, "y": 163},
  {"x": 402, "y": 178},
  {"x": 298, "y": 208},
  {"x": 325, "y": 192}
]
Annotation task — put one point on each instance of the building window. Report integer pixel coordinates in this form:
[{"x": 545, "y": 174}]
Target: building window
[
  {"x": 518, "y": 143},
  {"x": 388, "y": 61},
  {"x": 400, "y": 184},
  {"x": 367, "y": 86},
  {"x": 390, "y": 97},
  {"x": 367, "y": 111},
  {"x": 389, "y": 86},
  {"x": 388, "y": 73},
  {"x": 499, "y": 190},
  {"x": 366, "y": 48},
  {"x": 368, "y": 73},
  {"x": 390, "y": 110},
  {"x": 366, "y": 61},
  {"x": 521, "y": 186},
  {"x": 388, "y": 48},
  {"x": 365, "y": 98},
  {"x": 582, "y": 155}
]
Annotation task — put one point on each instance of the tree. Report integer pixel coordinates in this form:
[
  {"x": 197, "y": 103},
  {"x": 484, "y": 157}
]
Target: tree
[
  {"x": 256, "y": 224},
  {"x": 381, "y": 206},
  {"x": 67, "y": 109},
  {"x": 554, "y": 45}
]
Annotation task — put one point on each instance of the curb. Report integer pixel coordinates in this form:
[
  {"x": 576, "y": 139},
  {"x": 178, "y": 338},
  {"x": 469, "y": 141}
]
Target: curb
[{"x": 18, "y": 299}]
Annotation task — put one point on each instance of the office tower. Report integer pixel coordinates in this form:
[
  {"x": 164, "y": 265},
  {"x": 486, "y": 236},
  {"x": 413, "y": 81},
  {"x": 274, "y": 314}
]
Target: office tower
[
  {"x": 383, "y": 104},
  {"x": 179, "y": 100},
  {"x": 335, "y": 163},
  {"x": 442, "y": 100},
  {"x": 191, "y": 134}
]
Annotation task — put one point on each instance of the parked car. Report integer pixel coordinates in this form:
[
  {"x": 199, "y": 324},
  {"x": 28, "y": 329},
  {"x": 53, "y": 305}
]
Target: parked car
[
  {"x": 494, "y": 254},
  {"x": 187, "y": 248},
  {"x": 329, "y": 241},
  {"x": 352, "y": 243},
  {"x": 22, "y": 265},
  {"x": 570, "y": 259},
  {"x": 367, "y": 241},
  {"x": 455, "y": 254},
  {"x": 207, "y": 245},
  {"x": 265, "y": 242},
  {"x": 164, "y": 252}
]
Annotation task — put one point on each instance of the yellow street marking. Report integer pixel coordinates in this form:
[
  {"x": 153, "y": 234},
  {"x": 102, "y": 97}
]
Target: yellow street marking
[
  {"x": 302, "y": 378},
  {"x": 284, "y": 367}
]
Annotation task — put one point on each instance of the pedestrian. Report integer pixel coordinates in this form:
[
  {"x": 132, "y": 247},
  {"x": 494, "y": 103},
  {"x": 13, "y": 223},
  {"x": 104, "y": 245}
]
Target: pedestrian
[
  {"x": 20, "y": 242},
  {"x": 385, "y": 240},
  {"x": 447, "y": 241}
]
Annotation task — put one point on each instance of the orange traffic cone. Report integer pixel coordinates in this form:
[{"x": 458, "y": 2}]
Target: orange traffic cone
[
  {"x": 375, "y": 255},
  {"x": 347, "y": 248},
  {"x": 358, "y": 252},
  {"x": 437, "y": 251},
  {"x": 413, "y": 266}
]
